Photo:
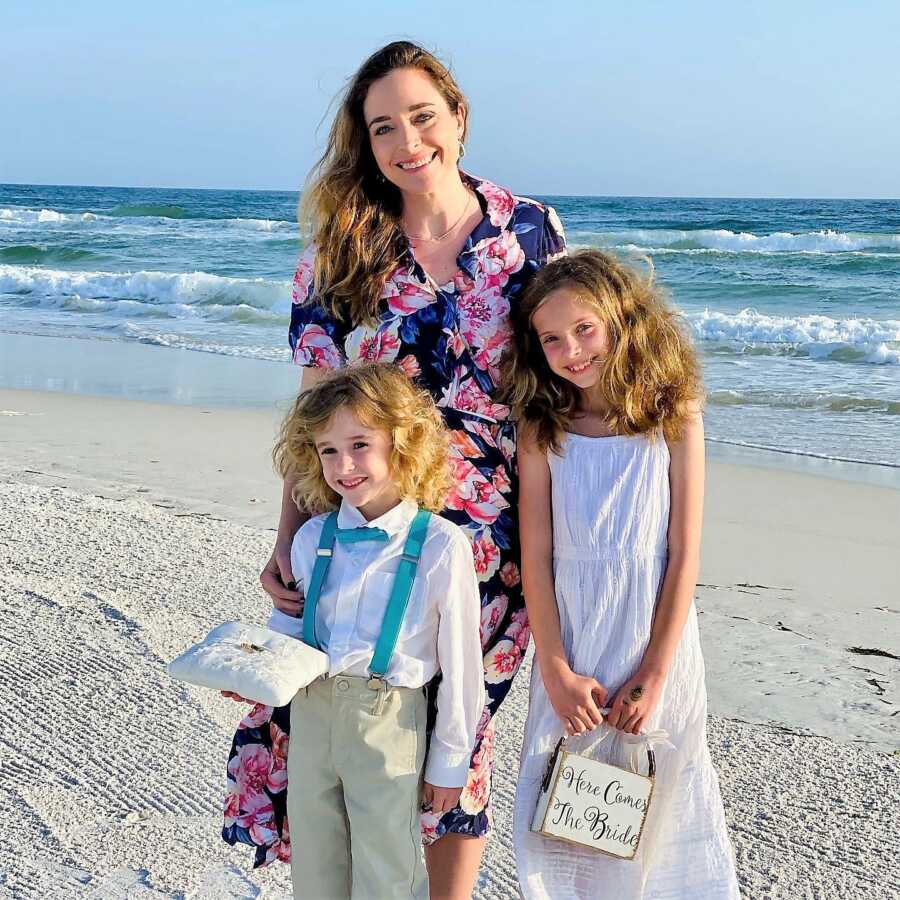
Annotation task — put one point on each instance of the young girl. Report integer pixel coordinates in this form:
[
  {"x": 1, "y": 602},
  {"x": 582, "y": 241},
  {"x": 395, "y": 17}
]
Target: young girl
[
  {"x": 368, "y": 443},
  {"x": 607, "y": 389}
]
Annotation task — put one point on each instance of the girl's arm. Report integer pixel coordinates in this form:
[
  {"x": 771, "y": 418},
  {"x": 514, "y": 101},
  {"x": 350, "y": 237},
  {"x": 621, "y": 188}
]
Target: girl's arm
[
  {"x": 576, "y": 699},
  {"x": 276, "y": 577},
  {"x": 632, "y": 707}
]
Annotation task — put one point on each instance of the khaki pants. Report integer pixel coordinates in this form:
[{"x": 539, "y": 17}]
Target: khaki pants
[{"x": 354, "y": 791}]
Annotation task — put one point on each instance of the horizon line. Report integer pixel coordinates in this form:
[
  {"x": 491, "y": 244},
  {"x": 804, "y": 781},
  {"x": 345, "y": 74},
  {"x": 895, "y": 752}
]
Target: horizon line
[{"x": 138, "y": 187}]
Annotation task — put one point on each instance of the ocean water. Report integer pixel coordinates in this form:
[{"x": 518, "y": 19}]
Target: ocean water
[{"x": 794, "y": 304}]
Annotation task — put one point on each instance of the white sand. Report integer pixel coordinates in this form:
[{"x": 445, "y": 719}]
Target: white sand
[{"x": 112, "y": 775}]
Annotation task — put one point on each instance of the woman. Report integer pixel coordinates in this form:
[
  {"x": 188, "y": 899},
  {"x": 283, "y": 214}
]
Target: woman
[{"x": 413, "y": 261}]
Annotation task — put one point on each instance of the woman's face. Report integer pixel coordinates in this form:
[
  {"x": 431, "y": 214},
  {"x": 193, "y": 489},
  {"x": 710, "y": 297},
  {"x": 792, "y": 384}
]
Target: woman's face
[{"x": 413, "y": 133}]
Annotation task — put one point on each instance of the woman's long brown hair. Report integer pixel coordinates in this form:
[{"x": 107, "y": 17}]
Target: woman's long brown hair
[{"x": 348, "y": 209}]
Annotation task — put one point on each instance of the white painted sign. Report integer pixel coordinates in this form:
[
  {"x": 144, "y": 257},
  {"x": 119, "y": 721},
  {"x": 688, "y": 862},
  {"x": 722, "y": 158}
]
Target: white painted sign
[{"x": 593, "y": 804}]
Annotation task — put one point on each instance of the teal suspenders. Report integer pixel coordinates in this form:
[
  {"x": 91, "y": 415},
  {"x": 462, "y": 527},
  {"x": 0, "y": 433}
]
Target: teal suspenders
[
  {"x": 400, "y": 592},
  {"x": 320, "y": 569},
  {"x": 402, "y": 588}
]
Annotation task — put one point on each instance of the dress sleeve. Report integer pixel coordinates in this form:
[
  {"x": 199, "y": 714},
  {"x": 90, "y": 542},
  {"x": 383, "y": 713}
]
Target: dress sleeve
[
  {"x": 316, "y": 335},
  {"x": 553, "y": 239}
]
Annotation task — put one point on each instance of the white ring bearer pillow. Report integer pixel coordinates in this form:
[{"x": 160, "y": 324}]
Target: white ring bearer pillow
[{"x": 259, "y": 664}]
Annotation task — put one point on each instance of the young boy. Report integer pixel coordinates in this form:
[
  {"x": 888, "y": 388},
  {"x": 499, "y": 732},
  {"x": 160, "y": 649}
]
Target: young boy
[{"x": 392, "y": 598}]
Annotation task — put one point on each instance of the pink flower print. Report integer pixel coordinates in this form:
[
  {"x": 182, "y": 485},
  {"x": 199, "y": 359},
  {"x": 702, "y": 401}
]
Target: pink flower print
[
  {"x": 501, "y": 480},
  {"x": 471, "y": 398},
  {"x": 473, "y": 493},
  {"x": 491, "y": 616},
  {"x": 379, "y": 345},
  {"x": 475, "y": 794},
  {"x": 489, "y": 356},
  {"x": 500, "y": 203},
  {"x": 501, "y": 256},
  {"x": 462, "y": 282},
  {"x": 405, "y": 294},
  {"x": 277, "y": 780},
  {"x": 487, "y": 556},
  {"x": 252, "y": 811},
  {"x": 249, "y": 769},
  {"x": 518, "y": 630},
  {"x": 455, "y": 343},
  {"x": 316, "y": 348},
  {"x": 463, "y": 446},
  {"x": 481, "y": 313},
  {"x": 303, "y": 276},
  {"x": 232, "y": 805},
  {"x": 410, "y": 366},
  {"x": 507, "y": 447},
  {"x": 482, "y": 430},
  {"x": 502, "y": 661},
  {"x": 509, "y": 574},
  {"x": 428, "y": 826},
  {"x": 256, "y": 717}
]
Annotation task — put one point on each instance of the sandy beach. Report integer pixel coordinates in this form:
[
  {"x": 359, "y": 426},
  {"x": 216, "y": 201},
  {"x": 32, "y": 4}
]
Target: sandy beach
[{"x": 130, "y": 528}]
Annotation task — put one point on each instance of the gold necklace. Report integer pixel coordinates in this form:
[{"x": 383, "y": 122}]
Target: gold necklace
[{"x": 439, "y": 238}]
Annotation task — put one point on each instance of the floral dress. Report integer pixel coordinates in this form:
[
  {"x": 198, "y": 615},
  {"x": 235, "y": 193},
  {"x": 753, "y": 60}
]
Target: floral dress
[{"x": 448, "y": 338}]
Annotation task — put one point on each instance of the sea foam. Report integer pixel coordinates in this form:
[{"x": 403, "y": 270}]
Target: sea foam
[
  {"x": 817, "y": 337},
  {"x": 723, "y": 240},
  {"x": 52, "y": 288}
]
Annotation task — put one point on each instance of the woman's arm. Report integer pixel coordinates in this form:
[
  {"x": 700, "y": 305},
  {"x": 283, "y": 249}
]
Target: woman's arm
[
  {"x": 686, "y": 477},
  {"x": 276, "y": 577},
  {"x": 576, "y": 699}
]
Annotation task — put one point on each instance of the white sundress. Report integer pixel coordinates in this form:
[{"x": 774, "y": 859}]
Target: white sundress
[{"x": 610, "y": 499}]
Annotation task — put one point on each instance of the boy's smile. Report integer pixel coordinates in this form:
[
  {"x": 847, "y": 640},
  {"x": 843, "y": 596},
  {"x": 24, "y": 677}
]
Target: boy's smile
[{"x": 356, "y": 463}]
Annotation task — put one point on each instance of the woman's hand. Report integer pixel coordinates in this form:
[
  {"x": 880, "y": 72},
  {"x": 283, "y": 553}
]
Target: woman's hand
[
  {"x": 231, "y": 695},
  {"x": 576, "y": 699},
  {"x": 277, "y": 581},
  {"x": 440, "y": 799},
  {"x": 635, "y": 702}
]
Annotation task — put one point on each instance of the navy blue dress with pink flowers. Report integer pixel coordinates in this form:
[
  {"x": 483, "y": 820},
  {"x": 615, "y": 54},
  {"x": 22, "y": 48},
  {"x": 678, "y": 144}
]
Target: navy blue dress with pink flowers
[{"x": 449, "y": 339}]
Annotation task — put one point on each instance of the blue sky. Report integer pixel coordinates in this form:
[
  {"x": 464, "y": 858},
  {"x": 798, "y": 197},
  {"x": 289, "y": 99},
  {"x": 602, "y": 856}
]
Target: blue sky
[{"x": 792, "y": 99}]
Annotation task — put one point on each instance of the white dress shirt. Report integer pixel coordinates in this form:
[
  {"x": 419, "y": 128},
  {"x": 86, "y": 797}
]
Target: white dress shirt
[{"x": 440, "y": 631}]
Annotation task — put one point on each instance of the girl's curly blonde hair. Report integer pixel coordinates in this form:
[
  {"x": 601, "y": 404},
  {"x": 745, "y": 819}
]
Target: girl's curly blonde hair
[
  {"x": 382, "y": 397},
  {"x": 651, "y": 378}
]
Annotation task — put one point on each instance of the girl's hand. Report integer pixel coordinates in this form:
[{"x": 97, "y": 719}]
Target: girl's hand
[
  {"x": 441, "y": 799},
  {"x": 576, "y": 699},
  {"x": 231, "y": 695},
  {"x": 635, "y": 702},
  {"x": 277, "y": 581}
]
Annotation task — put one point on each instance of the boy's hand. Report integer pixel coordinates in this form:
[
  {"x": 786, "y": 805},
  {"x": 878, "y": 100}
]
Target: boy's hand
[{"x": 441, "y": 799}]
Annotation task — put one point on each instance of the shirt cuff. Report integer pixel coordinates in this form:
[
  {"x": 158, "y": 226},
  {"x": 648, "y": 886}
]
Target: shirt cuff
[
  {"x": 446, "y": 769},
  {"x": 285, "y": 624}
]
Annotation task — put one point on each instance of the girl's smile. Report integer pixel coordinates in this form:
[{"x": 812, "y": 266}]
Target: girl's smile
[{"x": 574, "y": 339}]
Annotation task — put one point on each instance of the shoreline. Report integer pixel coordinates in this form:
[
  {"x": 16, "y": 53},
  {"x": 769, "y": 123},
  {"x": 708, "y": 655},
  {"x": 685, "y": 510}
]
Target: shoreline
[{"x": 161, "y": 375}]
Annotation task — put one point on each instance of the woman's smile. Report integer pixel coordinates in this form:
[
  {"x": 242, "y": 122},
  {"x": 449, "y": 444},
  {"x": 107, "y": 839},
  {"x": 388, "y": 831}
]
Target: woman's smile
[{"x": 419, "y": 162}]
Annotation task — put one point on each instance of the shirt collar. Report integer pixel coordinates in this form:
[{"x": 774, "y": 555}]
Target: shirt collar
[{"x": 393, "y": 521}]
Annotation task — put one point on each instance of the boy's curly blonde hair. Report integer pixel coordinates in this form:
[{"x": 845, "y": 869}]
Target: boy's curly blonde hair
[
  {"x": 651, "y": 378},
  {"x": 382, "y": 397}
]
